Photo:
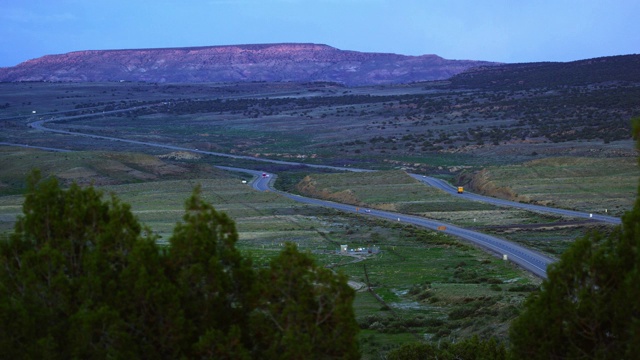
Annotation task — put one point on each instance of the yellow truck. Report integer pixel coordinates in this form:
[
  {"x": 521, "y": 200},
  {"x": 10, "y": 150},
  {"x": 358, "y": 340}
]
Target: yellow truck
[{"x": 460, "y": 190}]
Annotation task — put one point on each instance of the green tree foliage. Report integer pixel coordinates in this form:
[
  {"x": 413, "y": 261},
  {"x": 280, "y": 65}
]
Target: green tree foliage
[
  {"x": 304, "y": 310},
  {"x": 65, "y": 283},
  {"x": 468, "y": 349},
  {"x": 589, "y": 306},
  {"x": 81, "y": 278},
  {"x": 213, "y": 279}
]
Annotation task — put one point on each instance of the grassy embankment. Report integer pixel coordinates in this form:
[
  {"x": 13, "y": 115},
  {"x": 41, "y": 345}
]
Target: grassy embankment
[
  {"x": 596, "y": 185},
  {"x": 584, "y": 184}
]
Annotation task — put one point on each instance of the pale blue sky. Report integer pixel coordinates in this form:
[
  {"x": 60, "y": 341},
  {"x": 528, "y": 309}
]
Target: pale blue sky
[{"x": 495, "y": 30}]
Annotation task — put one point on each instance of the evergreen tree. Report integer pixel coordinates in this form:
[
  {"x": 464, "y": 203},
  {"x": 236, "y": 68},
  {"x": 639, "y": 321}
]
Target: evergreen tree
[
  {"x": 588, "y": 307},
  {"x": 80, "y": 278},
  {"x": 305, "y": 311},
  {"x": 62, "y": 290},
  {"x": 214, "y": 280}
]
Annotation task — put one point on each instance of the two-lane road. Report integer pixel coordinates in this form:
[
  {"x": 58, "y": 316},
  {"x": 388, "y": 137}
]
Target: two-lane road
[
  {"x": 445, "y": 186},
  {"x": 528, "y": 259}
]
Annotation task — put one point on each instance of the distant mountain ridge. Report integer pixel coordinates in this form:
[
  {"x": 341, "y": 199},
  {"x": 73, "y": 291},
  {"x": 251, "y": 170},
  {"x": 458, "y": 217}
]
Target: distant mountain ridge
[
  {"x": 607, "y": 69},
  {"x": 295, "y": 62}
]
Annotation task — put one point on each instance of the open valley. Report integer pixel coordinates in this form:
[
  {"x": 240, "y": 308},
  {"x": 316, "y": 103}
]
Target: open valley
[{"x": 560, "y": 144}]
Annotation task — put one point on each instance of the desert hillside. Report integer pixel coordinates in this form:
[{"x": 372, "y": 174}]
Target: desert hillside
[{"x": 238, "y": 63}]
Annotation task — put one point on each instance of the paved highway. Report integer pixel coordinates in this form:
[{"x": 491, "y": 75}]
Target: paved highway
[
  {"x": 445, "y": 186},
  {"x": 437, "y": 183},
  {"x": 35, "y": 147},
  {"x": 39, "y": 125},
  {"x": 528, "y": 259}
]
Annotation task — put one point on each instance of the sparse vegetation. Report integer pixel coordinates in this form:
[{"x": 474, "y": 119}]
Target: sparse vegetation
[{"x": 558, "y": 141}]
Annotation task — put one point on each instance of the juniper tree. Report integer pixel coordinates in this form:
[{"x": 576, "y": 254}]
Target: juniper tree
[
  {"x": 214, "y": 281},
  {"x": 81, "y": 278},
  {"x": 305, "y": 311},
  {"x": 66, "y": 284},
  {"x": 588, "y": 307}
]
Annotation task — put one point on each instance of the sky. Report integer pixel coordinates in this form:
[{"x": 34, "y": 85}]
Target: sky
[{"x": 509, "y": 31}]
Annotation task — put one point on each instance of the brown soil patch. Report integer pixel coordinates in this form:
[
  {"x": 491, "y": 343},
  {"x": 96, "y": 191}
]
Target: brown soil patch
[
  {"x": 480, "y": 183},
  {"x": 308, "y": 186},
  {"x": 180, "y": 155}
]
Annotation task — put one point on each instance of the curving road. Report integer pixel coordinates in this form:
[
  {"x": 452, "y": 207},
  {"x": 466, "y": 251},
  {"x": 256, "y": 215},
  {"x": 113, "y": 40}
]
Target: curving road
[
  {"x": 528, "y": 259},
  {"x": 445, "y": 186},
  {"x": 434, "y": 182},
  {"x": 35, "y": 147},
  {"x": 39, "y": 125}
]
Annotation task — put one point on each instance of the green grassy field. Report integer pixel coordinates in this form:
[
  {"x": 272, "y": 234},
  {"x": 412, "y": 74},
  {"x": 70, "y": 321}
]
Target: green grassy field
[
  {"x": 424, "y": 285},
  {"x": 597, "y": 185},
  {"x": 552, "y": 240},
  {"x": 419, "y": 274},
  {"x": 436, "y": 289},
  {"x": 397, "y": 191}
]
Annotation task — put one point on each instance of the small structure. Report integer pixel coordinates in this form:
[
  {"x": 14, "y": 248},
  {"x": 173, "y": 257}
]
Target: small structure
[{"x": 344, "y": 250}]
